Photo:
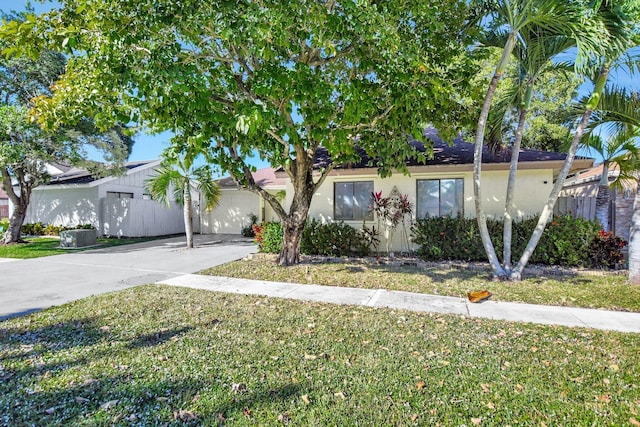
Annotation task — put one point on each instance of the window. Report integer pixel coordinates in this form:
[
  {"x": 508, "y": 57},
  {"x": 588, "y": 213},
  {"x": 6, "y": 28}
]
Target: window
[
  {"x": 119, "y": 195},
  {"x": 440, "y": 197},
  {"x": 352, "y": 199}
]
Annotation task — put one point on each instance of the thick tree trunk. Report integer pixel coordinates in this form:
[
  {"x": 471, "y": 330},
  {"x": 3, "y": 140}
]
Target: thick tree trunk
[
  {"x": 602, "y": 199},
  {"x": 20, "y": 205},
  {"x": 13, "y": 233},
  {"x": 634, "y": 241},
  {"x": 188, "y": 217},
  {"x": 291, "y": 237}
]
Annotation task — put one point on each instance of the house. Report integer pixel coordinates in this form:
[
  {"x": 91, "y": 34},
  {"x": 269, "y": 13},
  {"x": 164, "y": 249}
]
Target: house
[
  {"x": 578, "y": 198},
  {"x": 114, "y": 205},
  {"x": 441, "y": 186},
  {"x": 4, "y": 204},
  {"x": 237, "y": 204}
]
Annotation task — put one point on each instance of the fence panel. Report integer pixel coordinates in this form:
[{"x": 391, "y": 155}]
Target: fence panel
[
  {"x": 581, "y": 207},
  {"x": 4, "y": 211},
  {"x": 140, "y": 218}
]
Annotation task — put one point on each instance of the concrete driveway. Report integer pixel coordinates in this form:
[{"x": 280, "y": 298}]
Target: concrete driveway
[{"x": 34, "y": 284}]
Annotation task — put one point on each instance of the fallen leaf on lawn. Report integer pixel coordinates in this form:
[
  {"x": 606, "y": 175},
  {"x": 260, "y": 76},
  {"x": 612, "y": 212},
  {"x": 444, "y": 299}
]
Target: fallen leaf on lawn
[
  {"x": 104, "y": 328},
  {"x": 246, "y": 412},
  {"x": 634, "y": 422},
  {"x": 486, "y": 387},
  {"x": 420, "y": 385},
  {"x": 310, "y": 357},
  {"x": 534, "y": 349},
  {"x": 476, "y": 421},
  {"x": 183, "y": 415},
  {"x": 238, "y": 388},
  {"x": 490, "y": 405},
  {"x": 414, "y": 417},
  {"x": 294, "y": 380},
  {"x": 604, "y": 398},
  {"x": 445, "y": 363},
  {"x": 340, "y": 395},
  {"x": 614, "y": 368},
  {"x": 305, "y": 399},
  {"x": 161, "y": 399},
  {"x": 50, "y": 411},
  {"x": 433, "y": 411},
  {"x": 284, "y": 418},
  {"x": 81, "y": 399},
  {"x": 109, "y": 404},
  {"x": 519, "y": 387}
]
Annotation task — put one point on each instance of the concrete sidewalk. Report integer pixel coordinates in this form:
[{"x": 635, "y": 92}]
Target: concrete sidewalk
[{"x": 516, "y": 312}]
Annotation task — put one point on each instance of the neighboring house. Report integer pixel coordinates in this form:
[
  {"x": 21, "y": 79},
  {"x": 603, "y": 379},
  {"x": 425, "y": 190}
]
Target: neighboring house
[
  {"x": 4, "y": 204},
  {"x": 237, "y": 204},
  {"x": 114, "y": 205},
  {"x": 442, "y": 186},
  {"x": 578, "y": 198}
]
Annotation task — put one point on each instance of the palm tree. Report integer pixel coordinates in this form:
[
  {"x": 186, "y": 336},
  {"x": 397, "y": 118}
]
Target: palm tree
[
  {"x": 180, "y": 176},
  {"x": 617, "y": 151},
  {"x": 600, "y": 36},
  {"x": 513, "y": 18}
]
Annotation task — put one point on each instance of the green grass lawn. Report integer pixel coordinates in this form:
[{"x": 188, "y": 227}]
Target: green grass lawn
[
  {"x": 157, "y": 355},
  {"x": 607, "y": 291},
  {"x": 46, "y": 246}
]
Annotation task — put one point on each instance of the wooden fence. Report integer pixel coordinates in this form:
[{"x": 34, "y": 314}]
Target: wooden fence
[
  {"x": 4, "y": 211},
  {"x": 581, "y": 207}
]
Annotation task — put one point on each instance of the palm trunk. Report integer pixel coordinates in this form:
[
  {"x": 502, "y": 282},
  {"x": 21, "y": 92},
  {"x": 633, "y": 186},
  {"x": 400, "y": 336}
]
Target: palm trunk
[
  {"x": 511, "y": 188},
  {"x": 634, "y": 241},
  {"x": 477, "y": 158},
  {"x": 545, "y": 215},
  {"x": 188, "y": 216},
  {"x": 602, "y": 199}
]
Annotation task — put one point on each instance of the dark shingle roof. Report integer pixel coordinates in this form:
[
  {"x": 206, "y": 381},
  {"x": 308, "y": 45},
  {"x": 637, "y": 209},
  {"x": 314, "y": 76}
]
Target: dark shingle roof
[
  {"x": 458, "y": 153},
  {"x": 82, "y": 176}
]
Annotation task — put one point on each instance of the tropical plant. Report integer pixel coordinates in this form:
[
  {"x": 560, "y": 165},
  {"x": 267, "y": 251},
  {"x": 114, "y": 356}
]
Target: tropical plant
[
  {"x": 280, "y": 80},
  {"x": 601, "y": 35},
  {"x": 179, "y": 175}
]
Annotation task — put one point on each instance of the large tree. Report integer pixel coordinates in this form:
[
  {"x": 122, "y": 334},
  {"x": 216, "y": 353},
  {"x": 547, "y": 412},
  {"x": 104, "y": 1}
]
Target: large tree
[
  {"x": 25, "y": 147},
  {"x": 601, "y": 32},
  {"x": 271, "y": 78}
]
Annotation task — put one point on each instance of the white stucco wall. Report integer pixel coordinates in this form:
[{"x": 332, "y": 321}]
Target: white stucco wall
[
  {"x": 532, "y": 190},
  {"x": 232, "y": 213}
]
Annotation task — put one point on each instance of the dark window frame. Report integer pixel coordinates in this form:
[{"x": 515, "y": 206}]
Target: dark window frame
[
  {"x": 367, "y": 217},
  {"x": 461, "y": 213}
]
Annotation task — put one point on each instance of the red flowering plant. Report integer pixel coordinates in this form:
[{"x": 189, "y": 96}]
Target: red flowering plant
[{"x": 605, "y": 250}]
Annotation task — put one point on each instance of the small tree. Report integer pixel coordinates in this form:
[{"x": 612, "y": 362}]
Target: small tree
[{"x": 178, "y": 175}]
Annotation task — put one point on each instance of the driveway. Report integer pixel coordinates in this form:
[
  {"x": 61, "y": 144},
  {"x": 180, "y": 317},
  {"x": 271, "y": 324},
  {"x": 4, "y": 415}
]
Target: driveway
[{"x": 34, "y": 284}]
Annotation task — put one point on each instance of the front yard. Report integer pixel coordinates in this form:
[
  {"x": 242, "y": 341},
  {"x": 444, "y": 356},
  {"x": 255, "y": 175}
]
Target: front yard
[
  {"x": 46, "y": 246},
  {"x": 157, "y": 355},
  {"x": 606, "y": 290}
]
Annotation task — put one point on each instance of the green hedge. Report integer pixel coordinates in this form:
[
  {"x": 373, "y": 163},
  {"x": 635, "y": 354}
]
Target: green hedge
[
  {"x": 333, "y": 239},
  {"x": 566, "y": 241},
  {"x": 40, "y": 229}
]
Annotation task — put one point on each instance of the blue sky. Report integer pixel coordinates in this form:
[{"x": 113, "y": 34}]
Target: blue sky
[{"x": 149, "y": 147}]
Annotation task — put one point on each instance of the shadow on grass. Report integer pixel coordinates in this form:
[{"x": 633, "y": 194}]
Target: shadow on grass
[{"x": 155, "y": 338}]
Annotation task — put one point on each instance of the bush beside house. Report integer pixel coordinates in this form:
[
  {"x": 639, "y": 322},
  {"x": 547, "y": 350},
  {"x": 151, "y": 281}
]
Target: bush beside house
[{"x": 567, "y": 241}]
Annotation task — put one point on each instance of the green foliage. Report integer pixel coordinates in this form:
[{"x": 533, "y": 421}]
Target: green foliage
[
  {"x": 247, "y": 230},
  {"x": 333, "y": 239},
  {"x": 269, "y": 237},
  {"x": 566, "y": 240},
  {"x": 40, "y": 229},
  {"x": 4, "y": 224},
  {"x": 605, "y": 250}
]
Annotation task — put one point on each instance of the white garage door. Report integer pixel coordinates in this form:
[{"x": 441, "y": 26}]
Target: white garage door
[{"x": 232, "y": 213}]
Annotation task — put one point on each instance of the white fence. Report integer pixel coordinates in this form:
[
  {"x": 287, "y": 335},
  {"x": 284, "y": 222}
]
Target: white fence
[{"x": 139, "y": 218}]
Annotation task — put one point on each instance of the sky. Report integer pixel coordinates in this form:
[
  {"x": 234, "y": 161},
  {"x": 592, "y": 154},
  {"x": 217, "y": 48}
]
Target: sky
[{"x": 149, "y": 147}]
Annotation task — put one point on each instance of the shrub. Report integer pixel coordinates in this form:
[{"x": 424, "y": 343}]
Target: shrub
[
  {"x": 333, "y": 239},
  {"x": 270, "y": 237},
  {"x": 4, "y": 224},
  {"x": 566, "y": 240},
  {"x": 247, "y": 231},
  {"x": 606, "y": 250},
  {"x": 40, "y": 229}
]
